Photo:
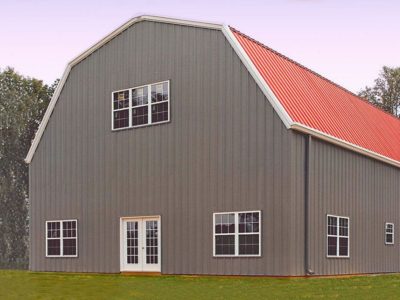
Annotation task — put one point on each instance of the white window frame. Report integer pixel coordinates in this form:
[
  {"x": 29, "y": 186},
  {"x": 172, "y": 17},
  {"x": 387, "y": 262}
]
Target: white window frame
[
  {"x": 236, "y": 234},
  {"x": 149, "y": 104},
  {"x": 391, "y": 233},
  {"x": 337, "y": 236},
  {"x": 61, "y": 238}
]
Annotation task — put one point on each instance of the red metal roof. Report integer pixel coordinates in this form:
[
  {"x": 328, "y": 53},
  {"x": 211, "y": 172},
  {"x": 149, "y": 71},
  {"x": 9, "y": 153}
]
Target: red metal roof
[{"x": 316, "y": 102}]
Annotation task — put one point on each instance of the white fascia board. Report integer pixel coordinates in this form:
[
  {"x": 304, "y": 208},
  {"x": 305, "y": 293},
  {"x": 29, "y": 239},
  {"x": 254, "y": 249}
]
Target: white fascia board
[
  {"x": 269, "y": 94},
  {"x": 83, "y": 55},
  {"x": 344, "y": 144},
  {"x": 47, "y": 114},
  {"x": 126, "y": 25}
]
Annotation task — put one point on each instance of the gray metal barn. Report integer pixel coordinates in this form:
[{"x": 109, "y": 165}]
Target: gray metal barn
[{"x": 189, "y": 148}]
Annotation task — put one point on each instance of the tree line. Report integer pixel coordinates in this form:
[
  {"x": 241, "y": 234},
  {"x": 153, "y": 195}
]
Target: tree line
[{"x": 23, "y": 102}]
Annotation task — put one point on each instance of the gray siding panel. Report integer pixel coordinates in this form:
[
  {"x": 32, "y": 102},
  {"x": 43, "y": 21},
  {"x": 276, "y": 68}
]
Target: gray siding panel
[
  {"x": 225, "y": 149},
  {"x": 367, "y": 191}
]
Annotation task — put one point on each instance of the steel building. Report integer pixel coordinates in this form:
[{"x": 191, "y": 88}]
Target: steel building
[{"x": 184, "y": 147}]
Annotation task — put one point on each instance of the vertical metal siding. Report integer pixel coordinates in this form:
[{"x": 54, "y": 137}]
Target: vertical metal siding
[
  {"x": 367, "y": 191},
  {"x": 225, "y": 149}
]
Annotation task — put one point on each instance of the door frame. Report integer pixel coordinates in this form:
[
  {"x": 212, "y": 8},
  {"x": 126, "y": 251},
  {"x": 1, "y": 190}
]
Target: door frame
[{"x": 121, "y": 240}]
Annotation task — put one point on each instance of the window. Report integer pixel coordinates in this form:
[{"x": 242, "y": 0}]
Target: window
[
  {"x": 389, "y": 233},
  {"x": 61, "y": 238},
  {"x": 237, "y": 234},
  {"x": 141, "y": 106},
  {"x": 338, "y": 236}
]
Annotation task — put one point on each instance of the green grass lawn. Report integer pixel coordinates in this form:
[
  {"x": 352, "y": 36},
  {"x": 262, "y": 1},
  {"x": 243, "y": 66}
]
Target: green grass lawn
[{"x": 27, "y": 285}]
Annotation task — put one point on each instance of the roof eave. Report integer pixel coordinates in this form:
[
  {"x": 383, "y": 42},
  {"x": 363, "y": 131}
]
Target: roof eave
[
  {"x": 344, "y": 144},
  {"x": 276, "y": 104}
]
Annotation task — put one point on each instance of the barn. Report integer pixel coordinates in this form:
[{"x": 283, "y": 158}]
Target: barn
[{"x": 182, "y": 147}]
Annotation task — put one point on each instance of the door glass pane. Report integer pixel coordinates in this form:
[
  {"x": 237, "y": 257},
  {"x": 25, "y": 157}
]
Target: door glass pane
[
  {"x": 151, "y": 242},
  {"x": 132, "y": 242}
]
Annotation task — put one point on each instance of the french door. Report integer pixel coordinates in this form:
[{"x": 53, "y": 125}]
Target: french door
[{"x": 141, "y": 244}]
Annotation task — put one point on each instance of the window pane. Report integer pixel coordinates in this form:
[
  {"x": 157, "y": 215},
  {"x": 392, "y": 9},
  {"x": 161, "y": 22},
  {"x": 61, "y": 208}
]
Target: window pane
[
  {"x": 332, "y": 246},
  {"x": 249, "y": 244},
  {"x": 218, "y": 223},
  {"x": 140, "y": 115},
  {"x": 140, "y": 96},
  {"x": 159, "y": 92},
  {"x": 53, "y": 247},
  {"x": 343, "y": 231},
  {"x": 225, "y": 245},
  {"x": 249, "y": 222},
  {"x": 343, "y": 246},
  {"x": 69, "y": 246},
  {"x": 121, "y": 99},
  {"x": 159, "y": 112},
  {"x": 226, "y": 223},
  {"x": 343, "y": 222},
  {"x": 132, "y": 242},
  {"x": 69, "y": 229},
  {"x": 332, "y": 221},
  {"x": 389, "y": 238},
  {"x": 121, "y": 118},
  {"x": 53, "y": 229},
  {"x": 332, "y": 226},
  {"x": 151, "y": 242},
  {"x": 343, "y": 227}
]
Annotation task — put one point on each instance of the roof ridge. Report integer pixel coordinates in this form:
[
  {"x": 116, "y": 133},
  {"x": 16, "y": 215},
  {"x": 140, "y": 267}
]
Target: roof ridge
[{"x": 313, "y": 72}]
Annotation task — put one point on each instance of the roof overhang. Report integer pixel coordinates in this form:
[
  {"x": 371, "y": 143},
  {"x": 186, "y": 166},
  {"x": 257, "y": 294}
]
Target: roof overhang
[
  {"x": 276, "y": 104},
  {"x": 344, "y": 144}
]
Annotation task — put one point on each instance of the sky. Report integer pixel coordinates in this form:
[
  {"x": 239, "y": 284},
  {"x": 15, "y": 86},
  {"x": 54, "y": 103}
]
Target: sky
[{"x": 347, "y": 41}]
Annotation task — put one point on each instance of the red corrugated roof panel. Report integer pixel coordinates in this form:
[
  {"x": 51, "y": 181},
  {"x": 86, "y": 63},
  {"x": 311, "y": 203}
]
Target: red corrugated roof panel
[{"x": 316, "y": 102}]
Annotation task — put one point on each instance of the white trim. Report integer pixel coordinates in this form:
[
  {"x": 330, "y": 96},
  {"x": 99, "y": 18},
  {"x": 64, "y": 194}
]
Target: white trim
[
  {"x": 61, "y": 238},
  {"x": 391, "y": 233},
  {"x": 337, "y": 236},
  {"x": 344, "y": 144},
  {"x": 237, "y": 233},
  {"x": 269, "y": 94},
  {"x": 138, "y": 19},
  {"x": 47, "y": 114},
  {"x": 149, "y": 105}
]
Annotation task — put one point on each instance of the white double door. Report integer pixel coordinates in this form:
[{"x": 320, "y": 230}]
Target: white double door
[{"x": 141, "y": 244}]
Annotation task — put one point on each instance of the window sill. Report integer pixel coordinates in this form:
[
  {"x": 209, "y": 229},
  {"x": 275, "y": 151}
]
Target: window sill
[
  {"x": 61, "y": 256},
  {"x": 237, "y": 256},
  {"x": 140, "y": 126},
  {"x": 328, "y": 256}
]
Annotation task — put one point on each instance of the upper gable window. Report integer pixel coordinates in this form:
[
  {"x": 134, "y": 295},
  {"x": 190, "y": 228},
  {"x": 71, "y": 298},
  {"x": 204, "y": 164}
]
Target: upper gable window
[{"x": 141, "y": 106}]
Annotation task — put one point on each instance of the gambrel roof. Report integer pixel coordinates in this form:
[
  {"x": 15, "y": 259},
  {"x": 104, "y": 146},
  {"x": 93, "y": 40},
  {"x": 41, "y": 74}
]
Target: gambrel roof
[
  {"x": 304, "y": 100},
  {"x": 315, "y": 102}
]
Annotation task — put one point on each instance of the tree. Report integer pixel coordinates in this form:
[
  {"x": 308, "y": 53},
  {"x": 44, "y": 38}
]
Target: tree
[
  {"x": 23, "y": 101},
  {"x": 386, "y": 91}
]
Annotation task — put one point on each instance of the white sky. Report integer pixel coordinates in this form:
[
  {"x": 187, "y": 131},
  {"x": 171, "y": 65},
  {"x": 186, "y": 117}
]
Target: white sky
[{"x": 346, "y": 41}]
